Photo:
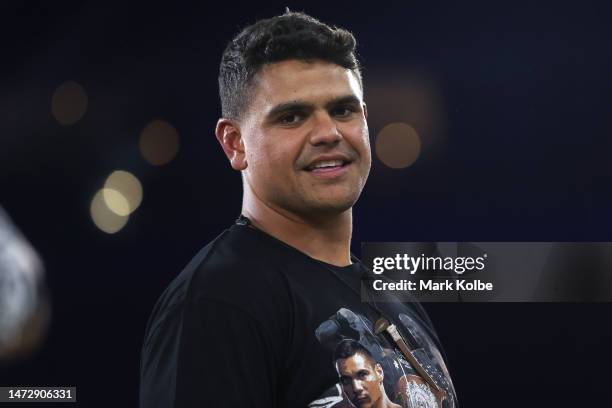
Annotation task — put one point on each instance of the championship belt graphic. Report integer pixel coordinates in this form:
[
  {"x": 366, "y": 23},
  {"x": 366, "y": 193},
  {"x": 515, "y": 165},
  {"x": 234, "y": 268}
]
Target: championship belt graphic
[
  {"x": 420, "y": 391},
  {"x": 417, "y": 394}
]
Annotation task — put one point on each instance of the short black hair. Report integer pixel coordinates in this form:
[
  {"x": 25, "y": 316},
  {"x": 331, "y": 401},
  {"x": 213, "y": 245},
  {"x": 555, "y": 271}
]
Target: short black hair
[
  {"x": 348, "y": 348},
  {"x": 293, "y": 35}
]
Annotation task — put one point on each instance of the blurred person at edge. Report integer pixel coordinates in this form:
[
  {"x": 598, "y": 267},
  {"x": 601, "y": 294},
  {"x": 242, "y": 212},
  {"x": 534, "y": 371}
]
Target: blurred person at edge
[
  {"x": 236, "y": 328},
  {"x": 24, "y": 309}
]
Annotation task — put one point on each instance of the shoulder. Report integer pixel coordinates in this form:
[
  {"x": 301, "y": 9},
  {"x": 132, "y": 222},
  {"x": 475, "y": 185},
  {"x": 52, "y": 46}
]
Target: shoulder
[
  {"x": 219, "y": 308},
  {"x": 234, "y": 275},
  {"x": 240, "y": 268}
]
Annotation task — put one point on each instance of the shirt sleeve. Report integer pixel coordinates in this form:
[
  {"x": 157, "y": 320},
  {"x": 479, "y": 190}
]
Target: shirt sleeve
[{"x": 209, "y": 353}]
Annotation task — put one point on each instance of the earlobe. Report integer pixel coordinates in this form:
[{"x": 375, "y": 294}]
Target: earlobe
[{"x": 229, "y": 137}]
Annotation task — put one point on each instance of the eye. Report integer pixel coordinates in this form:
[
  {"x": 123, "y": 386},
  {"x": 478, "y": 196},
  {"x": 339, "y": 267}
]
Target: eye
[
  {"x": 345, "y": 380},
  {"x": 343, "y": 111},
  {"x": 363, "y": 374},
  {"x": 291, "y": 118}
]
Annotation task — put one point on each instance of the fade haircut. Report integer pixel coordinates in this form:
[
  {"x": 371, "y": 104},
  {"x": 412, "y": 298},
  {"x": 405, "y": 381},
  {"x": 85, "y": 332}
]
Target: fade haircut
[{"x": 292, "y": 35}]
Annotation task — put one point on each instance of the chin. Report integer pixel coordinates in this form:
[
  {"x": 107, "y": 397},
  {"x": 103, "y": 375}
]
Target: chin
[
  {"x": 328, "y": 203},
  {"x": 323, "y": 209},
  {"x": 335, "y": 206},
  {"x": 340, "y": 201}
]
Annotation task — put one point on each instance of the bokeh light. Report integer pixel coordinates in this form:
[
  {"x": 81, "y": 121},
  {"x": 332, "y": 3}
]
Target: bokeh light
[
  {"x": 116, "y": 202},
  {"x": 413, "y": 95},
  {"x": 69, "y": 103},
  {"x": 398, "y": 145},
  {"x": 159, "y": 142},
  {"x": 122, "y": 192},
  {"x": 104, "y": 218}
]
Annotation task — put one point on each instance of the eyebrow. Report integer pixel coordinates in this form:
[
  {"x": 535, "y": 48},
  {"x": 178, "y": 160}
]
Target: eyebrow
[{"x": 303, "y": 106}]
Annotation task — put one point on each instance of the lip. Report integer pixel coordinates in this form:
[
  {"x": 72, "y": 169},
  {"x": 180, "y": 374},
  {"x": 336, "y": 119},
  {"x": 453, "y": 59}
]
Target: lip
[
  {"x": 330, "y": 172},
  {"x": 328, "y": 157},
  {"x": 327, "y": 173}
]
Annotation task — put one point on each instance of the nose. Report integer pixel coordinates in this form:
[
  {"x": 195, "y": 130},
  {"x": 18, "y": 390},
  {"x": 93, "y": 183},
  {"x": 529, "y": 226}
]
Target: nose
[
  {"x": 325, "y": 130},
  {"x": 357, "y": 386}
]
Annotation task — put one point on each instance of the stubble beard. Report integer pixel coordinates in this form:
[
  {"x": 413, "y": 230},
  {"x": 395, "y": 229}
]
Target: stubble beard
[{"x": 319, "y": 203}]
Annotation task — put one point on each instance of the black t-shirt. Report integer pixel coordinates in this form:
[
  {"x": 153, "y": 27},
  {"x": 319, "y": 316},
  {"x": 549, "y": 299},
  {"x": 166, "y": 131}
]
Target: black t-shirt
[{"x": 253, "y": 322}]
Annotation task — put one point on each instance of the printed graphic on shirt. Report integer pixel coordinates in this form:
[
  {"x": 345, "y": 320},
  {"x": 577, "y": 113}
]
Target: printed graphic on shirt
[{"x": 373, "y": 372}]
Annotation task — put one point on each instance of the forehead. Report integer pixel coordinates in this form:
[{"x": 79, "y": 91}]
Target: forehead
[
  {"x": 315, "y": 81},
  {"x": 353, "y": 364}
]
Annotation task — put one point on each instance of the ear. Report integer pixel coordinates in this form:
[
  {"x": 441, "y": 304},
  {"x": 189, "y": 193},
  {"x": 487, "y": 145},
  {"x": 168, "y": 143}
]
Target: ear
[
  {"x": 380, "y": 374},
  {"x": 229, "y": 137},
  {"x": 365, "y": 110}
]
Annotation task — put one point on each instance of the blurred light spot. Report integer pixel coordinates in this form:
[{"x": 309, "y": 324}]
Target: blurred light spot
[
  {"x": 116, "y": 202},
  {"x": 105, "y": 219},
  {"x": 69, "y": 103},
  {"x": 398, "y": 145},
  {"x": 159, "y": 142},
  {"x": 122, "y": 192},
  {"x": 409, "y": 94}
]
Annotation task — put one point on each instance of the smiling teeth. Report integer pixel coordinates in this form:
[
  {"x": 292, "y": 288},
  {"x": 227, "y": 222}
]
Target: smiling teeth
[{"x": 329, "y": 163}]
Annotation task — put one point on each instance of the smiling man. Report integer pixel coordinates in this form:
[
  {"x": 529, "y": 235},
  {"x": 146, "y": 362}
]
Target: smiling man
[
  {"x": 238, "y": 327},
  {"x": 304, "y": 153}
]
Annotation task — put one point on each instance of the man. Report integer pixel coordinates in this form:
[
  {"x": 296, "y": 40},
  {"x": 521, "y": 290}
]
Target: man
[
  {"x": 361, "y": 377},
  {"x": 237, "y": 327}
]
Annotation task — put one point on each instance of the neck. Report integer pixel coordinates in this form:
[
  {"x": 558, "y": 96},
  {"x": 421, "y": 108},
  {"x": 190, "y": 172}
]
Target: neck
[
  {"x": 325, "y": 237},
  {"x": 384, "y": 402}
]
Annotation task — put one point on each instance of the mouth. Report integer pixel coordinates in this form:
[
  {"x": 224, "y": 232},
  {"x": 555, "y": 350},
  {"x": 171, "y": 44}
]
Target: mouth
[
  {"x": 327, "y": 165},
  {"x": 362, "y": 400},
  {"x": 329, "y": 168}
]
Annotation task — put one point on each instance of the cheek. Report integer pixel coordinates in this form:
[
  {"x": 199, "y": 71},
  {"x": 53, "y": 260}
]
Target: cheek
[
  {"x": 271, "y": 160},
  {"x": 372, "y": 388},
  {"x": 367, "y": 152},
  {"x": 358, "y": 137},
  {"x": 283, "y": 156},
  {"x": 365, "y": 137},
  {"x": 256, "y": 161}
]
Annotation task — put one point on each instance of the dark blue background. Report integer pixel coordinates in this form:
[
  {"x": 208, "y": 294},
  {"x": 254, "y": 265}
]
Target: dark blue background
[{"x": 525, "y": 97}]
